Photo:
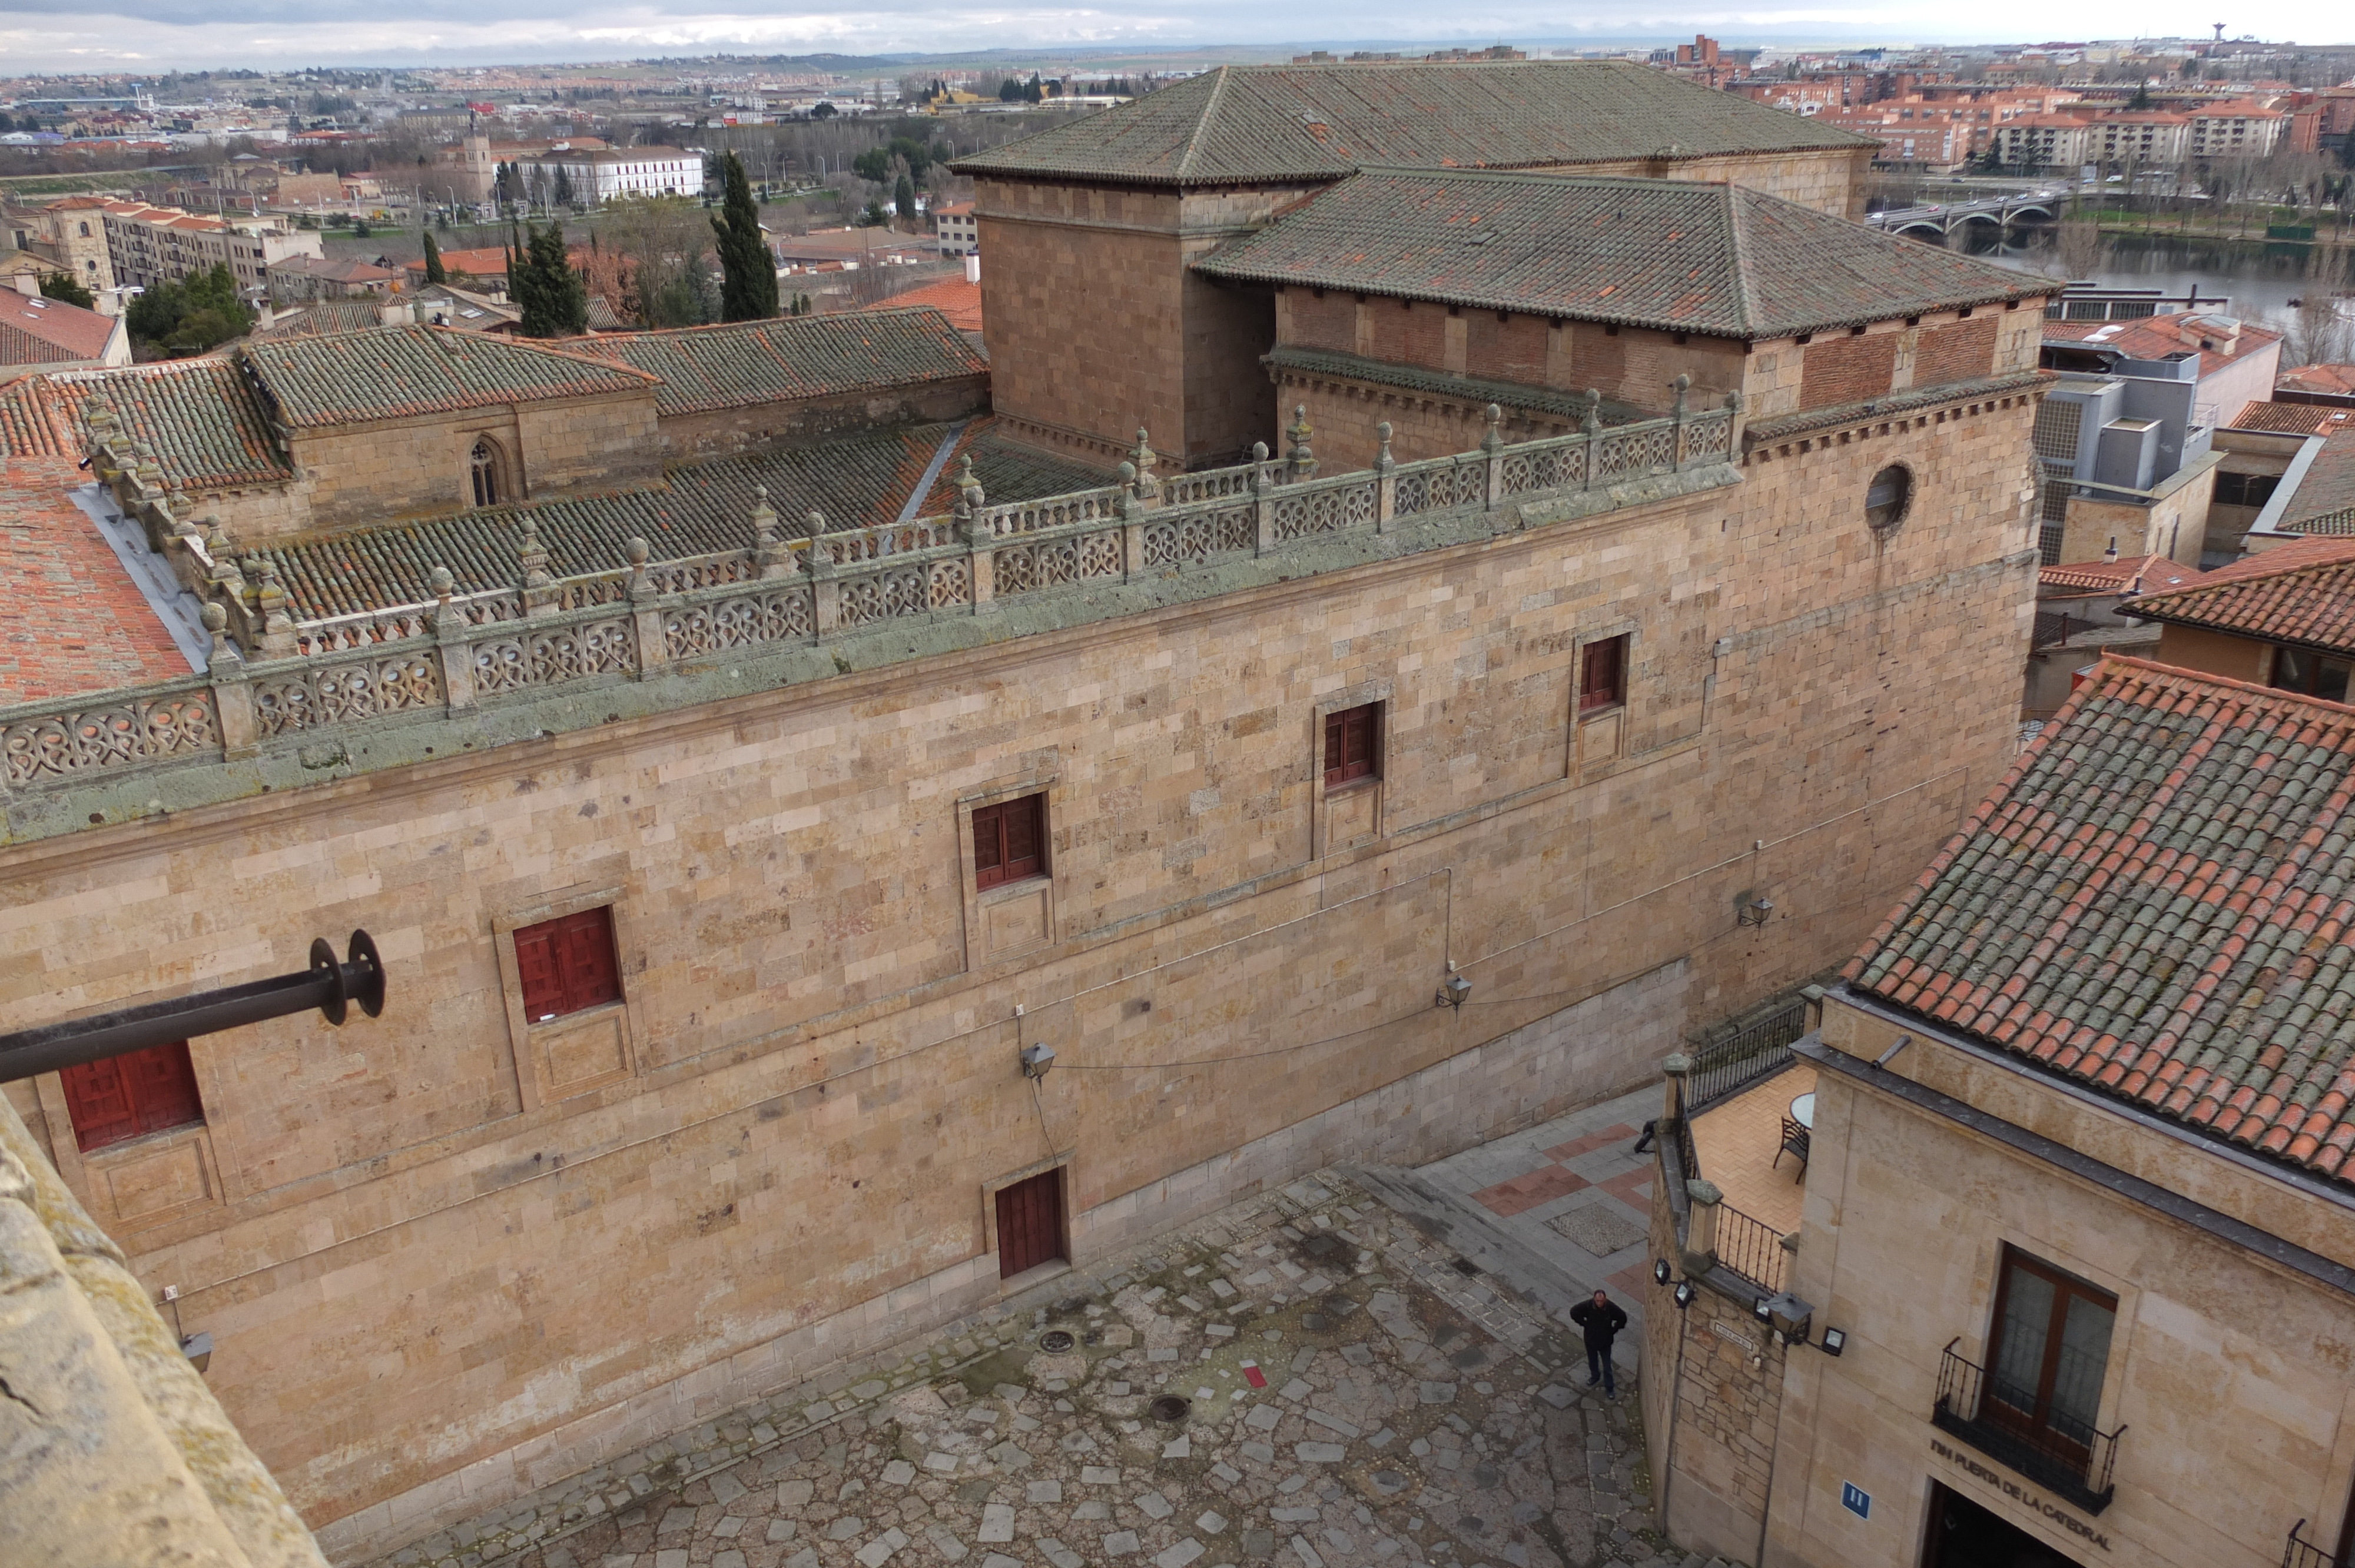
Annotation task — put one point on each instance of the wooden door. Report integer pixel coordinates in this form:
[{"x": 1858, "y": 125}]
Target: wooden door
[{"x": 1029, "y": 1224}]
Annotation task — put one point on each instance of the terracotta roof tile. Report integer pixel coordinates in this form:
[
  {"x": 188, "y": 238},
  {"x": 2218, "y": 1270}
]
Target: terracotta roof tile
[
  {"x": 2302, "y": 592},
  {"x": 1242, "y": 123},
  {"x": 1678, "y": 255},
  {"x": 34, "y": 421},
  {"x": 2157, "y": 900},
  {"x": 2338, "y": 378},
  {"x": 199, "y": 416},
  {"x": 2293, "y": 419},
  {"x": 393, "y": 372},
  {"x": 706, "y": 508},
  {"x": 954, "y": 298},
  {"x": 743, "y": 362},
  {"x": 49, "y": 332},
  {"x": 2161, "y": 337},
  {"x": 327, "y": 316},
  {"x": 2325, "y": 498},
  {"x": 2141, "y": 573},
  {"x": 71, "y": 621}
]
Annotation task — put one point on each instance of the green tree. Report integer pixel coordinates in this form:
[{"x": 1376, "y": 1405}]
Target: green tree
[
  {"x": 434, "y": 270},
  {"x": 748, "y": 288},
  {"x": 65, "y": 287},
  {"x": 359, "y": 228},
  {"x": 562, "y": 192},
  {"x": 2142, "y": 99},
  {"x": 875, "y": 163},
  {"x": 822, "y": 110},
  {"x": 189, "y": 317},
  {"x": 873, "y": 217},
  {"x": 543, "y": 285},
  {"x": 904, "y": 197}
]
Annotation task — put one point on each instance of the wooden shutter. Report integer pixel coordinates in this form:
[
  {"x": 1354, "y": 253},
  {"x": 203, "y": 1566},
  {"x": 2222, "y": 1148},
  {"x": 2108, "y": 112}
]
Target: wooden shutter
[
  {"x": 1029, "y": 1224},
  {"x": 1009, "y": 840},
  {"x": 1603, "y": 676},
  {"x": 1350, "y": 737},
  {"x": 568, "y": 964},
  {"x": 127, "y": 1096}
]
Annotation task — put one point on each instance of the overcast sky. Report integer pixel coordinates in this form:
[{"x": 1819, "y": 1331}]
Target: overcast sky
[{"x": 156, "y": 35}]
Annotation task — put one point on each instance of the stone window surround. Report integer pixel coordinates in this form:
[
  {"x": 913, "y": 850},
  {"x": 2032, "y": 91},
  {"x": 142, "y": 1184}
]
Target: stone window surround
[
  {"x": 1600, "y": 738},
  {"x": 1043, "y": 777},
  {"x": 1061, "y": 1164},
  {"x": 507, "y": 467},
  {"x": 1359, "y": 795},
  {"x": 526, "y": 1039},
  {"x": 89, "y": 1174}
]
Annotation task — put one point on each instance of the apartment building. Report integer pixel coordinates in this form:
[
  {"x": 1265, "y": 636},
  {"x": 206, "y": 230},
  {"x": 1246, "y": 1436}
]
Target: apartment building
[
  {"x": 959, "y": 231},
  {"x": 151, "y": 245},
  {"x": 2240, "y": 129}
]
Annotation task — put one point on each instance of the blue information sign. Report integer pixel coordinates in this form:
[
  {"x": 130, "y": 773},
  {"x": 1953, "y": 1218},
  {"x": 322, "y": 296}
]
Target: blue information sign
[{"x": 1856, "y": 1500}]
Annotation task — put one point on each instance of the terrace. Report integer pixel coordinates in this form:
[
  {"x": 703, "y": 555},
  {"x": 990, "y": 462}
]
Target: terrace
[{"x": 1740, "y": 1110}]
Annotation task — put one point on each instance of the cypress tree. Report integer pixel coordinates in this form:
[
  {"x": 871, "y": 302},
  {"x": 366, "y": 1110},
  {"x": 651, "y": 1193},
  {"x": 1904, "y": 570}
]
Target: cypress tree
[
  {"x": 434, "y": 268},
  {"x": 748, "y": 288},
  {"x": 903, "y": 196},
  {"x": 554, "y": 300}
]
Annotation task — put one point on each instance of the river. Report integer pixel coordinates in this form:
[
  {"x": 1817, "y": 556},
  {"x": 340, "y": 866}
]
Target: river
[{"x": 2259, "y": 278}]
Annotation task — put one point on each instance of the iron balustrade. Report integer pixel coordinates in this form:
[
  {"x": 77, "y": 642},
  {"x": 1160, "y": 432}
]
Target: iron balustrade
[
  {"x": 1726, "y": 1066},
  {"x": 1751, "y": 1248},
  {"x": 2017, "y": 1428},
  {"x": 2303, "y": 1553}
]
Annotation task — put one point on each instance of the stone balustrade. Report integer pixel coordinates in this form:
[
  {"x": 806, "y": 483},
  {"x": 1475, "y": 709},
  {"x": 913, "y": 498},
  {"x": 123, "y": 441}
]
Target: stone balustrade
[{"x": 637, "y": 620}]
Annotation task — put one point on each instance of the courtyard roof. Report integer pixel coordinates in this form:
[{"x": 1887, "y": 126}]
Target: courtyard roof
[
  {"x": 394, "y": 372},
  {"x": 1676, "y": 255},
  {"x": 2156, "y": 902},
  {"x": 200, "y": 418},
  {"x": 1242, "y": 123},
  {"x": 743, "y": 362}
]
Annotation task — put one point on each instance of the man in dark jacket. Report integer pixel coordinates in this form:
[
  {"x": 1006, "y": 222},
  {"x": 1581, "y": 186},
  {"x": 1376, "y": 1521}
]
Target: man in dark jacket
[{"x": 1601, "y": 1320}]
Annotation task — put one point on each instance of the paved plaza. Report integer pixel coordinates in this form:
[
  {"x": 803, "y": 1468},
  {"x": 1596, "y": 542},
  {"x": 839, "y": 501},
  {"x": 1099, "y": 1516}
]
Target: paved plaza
[{"x": 1362, "y": 1369}]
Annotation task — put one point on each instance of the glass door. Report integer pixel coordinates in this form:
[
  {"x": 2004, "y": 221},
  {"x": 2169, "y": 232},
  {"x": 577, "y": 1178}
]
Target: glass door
[{"x": 2052, "y": 1344}]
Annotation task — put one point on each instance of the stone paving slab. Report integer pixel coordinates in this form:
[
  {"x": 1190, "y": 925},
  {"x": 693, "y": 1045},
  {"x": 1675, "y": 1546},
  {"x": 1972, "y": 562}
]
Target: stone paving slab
[{"x": 1303, "y": 1380}]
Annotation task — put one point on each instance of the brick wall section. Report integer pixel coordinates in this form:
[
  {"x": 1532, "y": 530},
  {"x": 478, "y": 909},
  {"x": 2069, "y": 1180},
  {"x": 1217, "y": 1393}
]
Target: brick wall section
[
  {"x": 1847, "y": 369},
  {"x": 815, "y": 1080},
  {"x": 1961, "y": 351},
  {"x": 720, "y": 431}
]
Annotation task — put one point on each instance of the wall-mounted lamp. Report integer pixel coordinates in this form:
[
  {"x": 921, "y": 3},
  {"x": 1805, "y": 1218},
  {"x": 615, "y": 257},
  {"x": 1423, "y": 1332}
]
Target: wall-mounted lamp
[
  {"x": 1660, "y": 1271},
  {"x": 1757, "y": 912},
  {"x": 1036, "y": 1060},
  {"x": 1765, "y": 1309},
  {"x": 1453, "y": 990},
  {"x": 1835, "y": 1341},
  {"x": 1684, "y": 1293},
  {"x": 199, "y": 1348}
]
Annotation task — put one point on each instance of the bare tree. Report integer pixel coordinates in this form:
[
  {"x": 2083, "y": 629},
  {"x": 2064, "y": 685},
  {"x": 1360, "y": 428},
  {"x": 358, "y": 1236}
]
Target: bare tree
[{"x": 2322, "y": 333}]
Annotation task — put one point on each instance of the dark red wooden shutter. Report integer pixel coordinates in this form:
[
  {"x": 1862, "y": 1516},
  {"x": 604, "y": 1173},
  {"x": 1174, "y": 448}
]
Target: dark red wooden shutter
[
  {"x": 1602, "y": 683},
  {"x": 1029, "y": 1224},
  {"x": 126, "y": 1095},
  {"x": 100, "y": 1104},
  {"x": 1350, "y": 744},
  {"x": 543, "y": 984},
  {"x": 585, "y": 955},
  {"x": 1009, "y": 840}
]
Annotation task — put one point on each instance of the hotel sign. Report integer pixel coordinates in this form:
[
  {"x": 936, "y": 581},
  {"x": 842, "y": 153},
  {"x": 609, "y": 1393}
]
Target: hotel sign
[{"x": 2024, "y": 1495}]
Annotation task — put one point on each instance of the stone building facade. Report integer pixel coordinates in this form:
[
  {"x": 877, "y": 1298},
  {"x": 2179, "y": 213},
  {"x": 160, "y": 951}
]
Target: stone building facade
[
  {"x": 472, "y": 1250},
  {"x": 1092, "y": 229}
]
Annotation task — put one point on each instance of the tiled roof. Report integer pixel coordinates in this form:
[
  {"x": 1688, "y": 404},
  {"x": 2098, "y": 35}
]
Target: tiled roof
[
  {"x": 394, "y": 372},
  {"x": 325, "y": 317},
  {"x": 953, "y": 297},
  {"x": 743, "y": 362},
  {"x": 71, "y": 621},
  {"x": 1241, "y": 123},
  {"x": 2157, "y": 337},
  {"x": 1678, "y": 255},
  {"x": 2339, "y": 378},
  {"x": 2300, "y": 592},
  {"x": 2293, "y": 419},
  {"x": 487, "y": 261},
  {"x": 34, "y": 421},
  {"x": 2138, "y": 574},
  {"x": 2325, "y": 498},
  {"x": 706, "y": 508},
  {"x": 50, "y": 332},
  {"x": 199, "y": 416},
  {"x": 2157, "y": 901}
]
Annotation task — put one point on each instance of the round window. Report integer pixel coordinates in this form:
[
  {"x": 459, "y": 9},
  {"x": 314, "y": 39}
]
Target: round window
[{"x": 1889, "y": 497}]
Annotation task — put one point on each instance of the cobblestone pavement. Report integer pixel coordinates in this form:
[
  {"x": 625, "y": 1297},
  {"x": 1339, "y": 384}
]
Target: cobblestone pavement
[{"x": 1302, "y": 1380}]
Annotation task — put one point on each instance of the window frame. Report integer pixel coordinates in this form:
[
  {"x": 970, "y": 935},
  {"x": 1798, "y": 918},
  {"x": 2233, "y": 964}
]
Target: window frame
[
  {"x": 1591, "y": 706},
  {"x": 2066, "y": 1287},
  {"x": 1365, "y": 768},
  {"x": 1002, "y": 872}
]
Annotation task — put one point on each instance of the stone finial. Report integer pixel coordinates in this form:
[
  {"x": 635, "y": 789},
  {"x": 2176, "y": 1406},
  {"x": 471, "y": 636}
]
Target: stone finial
[
  {"x": 637, "y": 552},
  {"x": 1144, "y": 455},
  {"x": 442, "y": 583},
  {"x": 532, "y": 556},
  {"x": 215, "y": 615},
  {"x": 1734, "y": 401},
  {"x": 1383, "y": 461},
  {"x": 815, "y": 523},
  {"x": 969, "y": 488},
  {"x": 270, "y": 598},
  {"x": 764, "y": 521},
  {"x": 1262, "y": 476},
  {"x": 1591, "y": 421},
  {"x": 1681, "y": 385},
  {"x": 1301, "y": 459},
  {"x": 1493, "y": 438}
]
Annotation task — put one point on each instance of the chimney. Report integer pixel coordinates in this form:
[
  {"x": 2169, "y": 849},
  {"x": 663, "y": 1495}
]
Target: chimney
[
  {"x": 267, "y": 315},
  {"x": 973, "y": 267},
  {"x": 27, "y": 284}
]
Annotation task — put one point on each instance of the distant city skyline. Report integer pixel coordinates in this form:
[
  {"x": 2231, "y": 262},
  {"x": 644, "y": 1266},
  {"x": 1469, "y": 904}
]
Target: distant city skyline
[{"x": 55, "y": 36}]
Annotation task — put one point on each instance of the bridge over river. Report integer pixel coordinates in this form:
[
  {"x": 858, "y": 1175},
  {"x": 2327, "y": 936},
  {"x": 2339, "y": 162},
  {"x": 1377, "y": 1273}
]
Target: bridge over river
[{"x": 1942, "y": 218}]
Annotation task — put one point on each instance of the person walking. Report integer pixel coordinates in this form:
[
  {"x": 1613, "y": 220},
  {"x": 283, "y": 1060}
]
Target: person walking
[{"x": 1601, "y": 1320}]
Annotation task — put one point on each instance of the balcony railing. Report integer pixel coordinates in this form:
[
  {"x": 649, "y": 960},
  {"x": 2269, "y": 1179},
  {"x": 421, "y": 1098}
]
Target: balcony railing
[
  {"x": 1751, "y": 1248},
  {"x": 2011, "y": 1426},
  {"x": 2303, "y": 1553},
  {"x": 1724, "y": 1068}
]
